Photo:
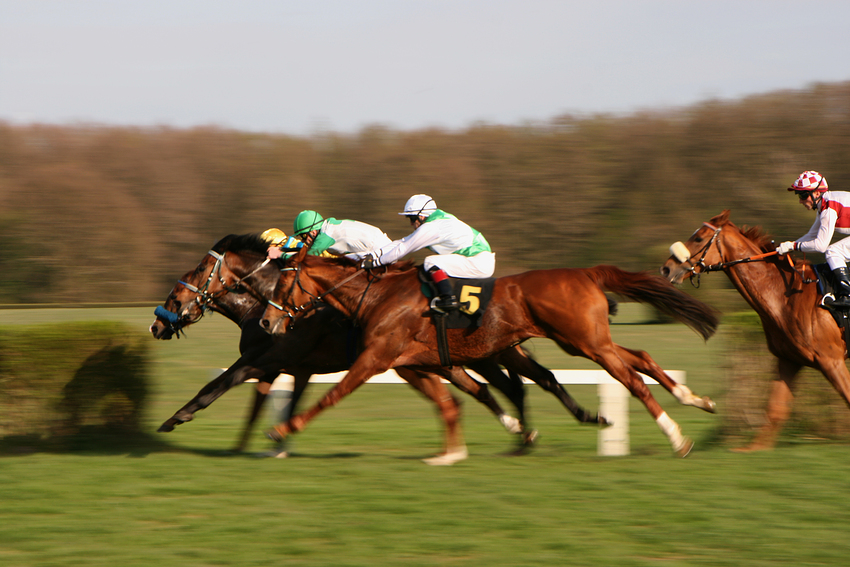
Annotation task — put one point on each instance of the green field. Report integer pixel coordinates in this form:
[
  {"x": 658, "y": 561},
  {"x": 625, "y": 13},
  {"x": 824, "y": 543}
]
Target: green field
[{"x": 356, "y": 492}]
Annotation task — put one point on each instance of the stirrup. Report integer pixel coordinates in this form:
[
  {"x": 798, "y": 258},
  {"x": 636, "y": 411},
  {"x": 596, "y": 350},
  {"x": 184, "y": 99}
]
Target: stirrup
[
  {"x": 444, "y": 303},
  {"x": 841, "y": 302}
]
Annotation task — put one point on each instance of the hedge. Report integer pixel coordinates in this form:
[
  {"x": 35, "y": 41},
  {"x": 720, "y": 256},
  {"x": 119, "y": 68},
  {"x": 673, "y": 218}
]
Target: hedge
[{"x": 60, "y": 381}]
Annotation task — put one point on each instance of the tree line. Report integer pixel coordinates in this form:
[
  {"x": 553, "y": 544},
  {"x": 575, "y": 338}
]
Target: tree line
[{"x": 90, "y": 213}]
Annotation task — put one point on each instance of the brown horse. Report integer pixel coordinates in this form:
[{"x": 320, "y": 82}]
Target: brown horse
[
  {"x": 798, "y": 332},
  {"x": 565, "y": 305},
  {"x": 228, "y": 281}
]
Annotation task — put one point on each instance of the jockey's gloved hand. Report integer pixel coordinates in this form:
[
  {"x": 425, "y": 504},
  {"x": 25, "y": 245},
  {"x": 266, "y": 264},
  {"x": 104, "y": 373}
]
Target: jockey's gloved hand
[
  {"x": 786, "y": 247},
  {"x": 368, "y": 263},
  {"x": 274, "y": 252}
]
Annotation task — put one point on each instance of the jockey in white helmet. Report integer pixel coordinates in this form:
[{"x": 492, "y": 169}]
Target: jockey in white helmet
[
  {"x": 833, "y": 215},
  {"x": 461, "y": 251}
]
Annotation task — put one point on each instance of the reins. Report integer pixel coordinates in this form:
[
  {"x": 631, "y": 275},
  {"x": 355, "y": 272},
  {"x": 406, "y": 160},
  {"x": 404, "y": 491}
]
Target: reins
[
  {"x": 316, "y": 300},
  {"x": 723, "y": 265}
]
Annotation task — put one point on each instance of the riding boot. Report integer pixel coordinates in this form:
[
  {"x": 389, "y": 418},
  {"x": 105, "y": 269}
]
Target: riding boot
[
  {"x": 446, "y": 300},
  {"x": 842, "y": 288}
]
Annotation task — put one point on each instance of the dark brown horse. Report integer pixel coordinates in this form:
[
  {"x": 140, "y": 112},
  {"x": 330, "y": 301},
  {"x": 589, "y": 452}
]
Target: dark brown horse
[
  {"x": 228, "y": 281},
  {"x": 798, "y": 332},
  {"x": 565, "y": 305}
]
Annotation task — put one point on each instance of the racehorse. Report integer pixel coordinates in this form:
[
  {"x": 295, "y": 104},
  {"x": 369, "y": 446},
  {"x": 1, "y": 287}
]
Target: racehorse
[
  {"x": 565, "y": 305},
  {"x": 325, "y": 342},
  {"x": 798, "y": 332}
]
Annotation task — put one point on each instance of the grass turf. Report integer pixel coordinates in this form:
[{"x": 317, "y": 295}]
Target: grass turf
[{"x": 356, "y": 492}]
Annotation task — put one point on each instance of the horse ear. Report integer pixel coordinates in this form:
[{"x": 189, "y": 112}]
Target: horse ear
[
  {"x": 300, "y": 255},
  {"x": 721, "y": 219}
]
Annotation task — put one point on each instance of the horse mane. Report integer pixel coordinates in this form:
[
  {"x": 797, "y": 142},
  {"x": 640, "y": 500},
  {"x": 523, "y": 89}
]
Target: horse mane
[
  {"x": 757, "y": 236},
  {"x": 251, "y": 242},
  {"x": 393, "y": 268}
]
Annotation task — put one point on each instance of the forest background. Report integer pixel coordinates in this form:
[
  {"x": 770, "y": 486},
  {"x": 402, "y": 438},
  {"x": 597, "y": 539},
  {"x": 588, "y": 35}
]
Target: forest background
[{"x": 96, "y": 214}]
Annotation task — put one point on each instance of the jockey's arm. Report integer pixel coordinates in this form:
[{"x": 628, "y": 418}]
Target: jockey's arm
[
  {"x": 424, "y": 236},
  {"x": 820, "y": 235},
  {"x": 320, "y": 244}
]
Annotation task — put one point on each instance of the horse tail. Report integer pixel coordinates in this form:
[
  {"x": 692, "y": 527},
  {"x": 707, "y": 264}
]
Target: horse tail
[{"x": 655, "y": 291}]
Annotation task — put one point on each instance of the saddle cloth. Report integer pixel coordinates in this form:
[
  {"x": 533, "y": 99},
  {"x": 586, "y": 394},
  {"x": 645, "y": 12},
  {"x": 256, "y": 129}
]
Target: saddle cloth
[{"x": 473, "y": 295}]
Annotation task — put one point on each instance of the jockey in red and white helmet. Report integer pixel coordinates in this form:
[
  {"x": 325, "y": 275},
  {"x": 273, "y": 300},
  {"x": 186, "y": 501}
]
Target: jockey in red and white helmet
[{"x": 833, "y": 215}]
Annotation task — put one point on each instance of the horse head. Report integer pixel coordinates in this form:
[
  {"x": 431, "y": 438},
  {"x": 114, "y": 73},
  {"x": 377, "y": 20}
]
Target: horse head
[
  {"x": 218, "y": 284},
  {"x": 691, "y": 258},
  {"x": 306, "y": 281}
]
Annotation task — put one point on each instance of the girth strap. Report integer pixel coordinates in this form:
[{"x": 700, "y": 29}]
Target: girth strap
[{"x": 442, "y": 340}]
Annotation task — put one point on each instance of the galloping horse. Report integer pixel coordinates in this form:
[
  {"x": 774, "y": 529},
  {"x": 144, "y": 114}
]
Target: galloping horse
[
  {"x": 798, "y": 332},
  {"x": 565, "y": 305},
  {"x": 324, "y": 342}
]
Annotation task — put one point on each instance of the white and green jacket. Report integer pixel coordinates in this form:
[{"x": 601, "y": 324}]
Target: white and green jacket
[{"x": 442, "y": 233}]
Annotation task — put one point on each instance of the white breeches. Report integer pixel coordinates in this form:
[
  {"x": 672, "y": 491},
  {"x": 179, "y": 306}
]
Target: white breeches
[
  {"x": 837, "y": 253},
  {"x": 481, "y": 265}
]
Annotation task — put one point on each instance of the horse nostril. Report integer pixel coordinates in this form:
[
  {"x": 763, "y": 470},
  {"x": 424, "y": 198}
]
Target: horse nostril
[
  {"x": 265, "y": 323},
  {"x": 665, "y": 271}
]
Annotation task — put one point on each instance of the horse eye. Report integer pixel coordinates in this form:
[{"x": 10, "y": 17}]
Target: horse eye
[{"x": 697, "y": 239}]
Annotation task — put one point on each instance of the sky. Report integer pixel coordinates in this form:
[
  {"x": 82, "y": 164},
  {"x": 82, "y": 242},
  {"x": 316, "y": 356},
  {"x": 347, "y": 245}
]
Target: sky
[{"x": 302, "y": 67}]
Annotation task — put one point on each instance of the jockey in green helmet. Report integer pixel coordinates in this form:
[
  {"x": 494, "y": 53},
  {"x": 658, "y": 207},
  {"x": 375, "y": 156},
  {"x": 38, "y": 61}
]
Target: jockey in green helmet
[{"x": 337, "y": 236}]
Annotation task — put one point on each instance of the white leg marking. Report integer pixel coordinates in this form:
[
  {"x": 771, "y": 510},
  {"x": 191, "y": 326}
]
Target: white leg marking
[
  {"x": 672, "y": 431},
  {"x": 449, "y": 458},
  {"x": 512, "y": 424}
]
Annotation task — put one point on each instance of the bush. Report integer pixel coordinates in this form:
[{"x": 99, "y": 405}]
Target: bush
[
  {"x": 58, "y": 382},
  {"x": 818, "y": 410}
]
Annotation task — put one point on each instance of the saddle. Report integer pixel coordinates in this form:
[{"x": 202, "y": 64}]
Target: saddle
[
  {"x": 473, "y": 296},
  {"x": 826, "y": 287}
]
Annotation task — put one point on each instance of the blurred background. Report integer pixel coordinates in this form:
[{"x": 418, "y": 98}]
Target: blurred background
[{"x": 133, "y": 137}]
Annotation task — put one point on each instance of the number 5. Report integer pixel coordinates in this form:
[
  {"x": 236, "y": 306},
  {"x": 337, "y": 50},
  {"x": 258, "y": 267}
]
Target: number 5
[{"x": 467, "y": 296}]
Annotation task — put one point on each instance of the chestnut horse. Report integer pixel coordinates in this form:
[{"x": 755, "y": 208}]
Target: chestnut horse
[
  {"x": 565, "y": 305},
  {"x": 799, "y": 333},
  {"x": 325, "y": 342}
]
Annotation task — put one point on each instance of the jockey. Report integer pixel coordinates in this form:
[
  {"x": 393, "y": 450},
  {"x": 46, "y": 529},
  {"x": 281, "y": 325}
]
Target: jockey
[
  {"x": 277, "y": 240},
  {"x": 461, "y": 251},
  {"x": 833, "y": 215},
  {"x": 337, "y": 236}
]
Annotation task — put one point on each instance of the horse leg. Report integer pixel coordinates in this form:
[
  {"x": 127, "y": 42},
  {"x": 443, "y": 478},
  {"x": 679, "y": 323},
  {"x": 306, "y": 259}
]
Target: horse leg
[
  {"x": 778, "y": 407},
  {"x": 511, "y": 386},
  {"x": 364, "y": 368},
  {"x": 433, "y": 389},
  {"x": 608, "y": 358},
  {"x": 466, "y": 383},
  {"x": 260, "y": 395},
  {"x": 642, "y": 362},
  {"x": 836, "y": 372},
  {"x": 300, "y": 379},
  {"x": 515, "y": 359},
  {"x": 233, "y": 376}
]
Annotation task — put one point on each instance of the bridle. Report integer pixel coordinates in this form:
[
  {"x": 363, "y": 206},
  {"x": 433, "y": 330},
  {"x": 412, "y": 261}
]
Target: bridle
[
  {"x": 292, "y": 312},
  {"x": 206, "y": 299},
  {"x": 678, "y": 250}
]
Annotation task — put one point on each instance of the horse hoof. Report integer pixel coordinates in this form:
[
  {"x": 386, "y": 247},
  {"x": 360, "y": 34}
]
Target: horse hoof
[
  {"x": 169, "y": 425},
  {"x": 750, "y": 448},
  {"x": 277, "y": 434},
  {"x": 685, "y": 449},
  {"x": 603, "y": 422},
  {"x": 447, "y": 459},
  {"x": 274, "y": 435},
  {"x": 709, "y": 405},
  {"x": 530, "y": 437},
  {"x": 273, "y": 454}
]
